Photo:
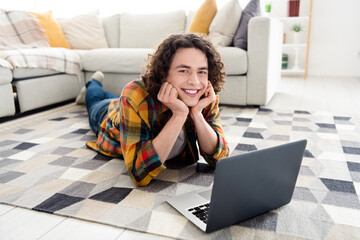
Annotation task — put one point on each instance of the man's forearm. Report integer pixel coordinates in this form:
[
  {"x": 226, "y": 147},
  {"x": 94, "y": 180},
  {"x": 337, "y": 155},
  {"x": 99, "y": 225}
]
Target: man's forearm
[
  {"x": 207, "y": 137},
  {"x": 165, "y": 140}
]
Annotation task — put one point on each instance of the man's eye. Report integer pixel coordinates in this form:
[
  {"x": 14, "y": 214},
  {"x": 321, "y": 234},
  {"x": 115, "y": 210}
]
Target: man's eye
[
  {"x": 203, "y": 72},
  {"x": 183, "y": 71}
]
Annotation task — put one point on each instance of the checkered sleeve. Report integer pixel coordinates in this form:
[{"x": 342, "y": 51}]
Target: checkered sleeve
[
  {"x": 142, "y": 162},
  {"x": 212, "y": 116}
]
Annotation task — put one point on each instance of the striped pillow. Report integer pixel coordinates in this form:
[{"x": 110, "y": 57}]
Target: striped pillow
[{"x": 19, "y": 29}]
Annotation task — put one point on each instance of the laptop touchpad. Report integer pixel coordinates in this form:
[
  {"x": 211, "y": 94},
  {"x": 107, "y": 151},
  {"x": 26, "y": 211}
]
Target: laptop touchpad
[{"x": 206, "y": 194}]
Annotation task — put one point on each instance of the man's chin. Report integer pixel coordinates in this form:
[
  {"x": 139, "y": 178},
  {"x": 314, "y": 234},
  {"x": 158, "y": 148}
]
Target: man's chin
[
  {"x": 191, "y": 105},
  {"x": 190, "y": 102}
]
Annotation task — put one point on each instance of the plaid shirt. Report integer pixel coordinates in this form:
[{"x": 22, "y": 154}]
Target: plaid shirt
[{"x": 134, "y": 120}]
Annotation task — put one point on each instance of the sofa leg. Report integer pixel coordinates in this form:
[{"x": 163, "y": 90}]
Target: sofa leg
[{"x": 239, "y": 106}]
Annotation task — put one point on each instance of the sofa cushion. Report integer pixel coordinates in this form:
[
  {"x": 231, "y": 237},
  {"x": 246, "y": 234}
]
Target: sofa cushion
[
  {"x": 21, "y": 73},
  {"x": 84, "y": 31},
  {"x": 116, "y": 60},
  {"x": 203, "y": 17},
  {"x": 26, "y": 73},
  {"x": 133, "y": 60},
  {"x": 189, "y": 18},
  {"x": 52, "y": 29},
  {"x": 148, "y": 30},
  {"x": 234, "y": 59},
  {"x": 5, "y": 75},
  {"x": 241, "y": 36},
  {"x": 19, "y": 29},
  {"x": 57, "y": 59},
  {"x": 112, "y": 30},
  {"x": 225, "y": 23}
]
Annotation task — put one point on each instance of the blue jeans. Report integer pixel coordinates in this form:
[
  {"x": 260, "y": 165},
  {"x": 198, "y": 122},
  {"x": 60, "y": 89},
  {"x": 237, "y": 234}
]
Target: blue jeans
[{"x": 97, "y": 103}]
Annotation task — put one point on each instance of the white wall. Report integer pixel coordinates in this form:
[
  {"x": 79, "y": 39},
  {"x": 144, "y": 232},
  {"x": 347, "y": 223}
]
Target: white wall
[
  {"x": 335, "y": 28},
  {"x": 334, "y": 48},
  {"x": 69, "y": 8},
  {"x": 335, "y": 38}
]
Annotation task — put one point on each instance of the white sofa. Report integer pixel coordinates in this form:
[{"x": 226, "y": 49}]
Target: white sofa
[{"x": 251, "y": 77}]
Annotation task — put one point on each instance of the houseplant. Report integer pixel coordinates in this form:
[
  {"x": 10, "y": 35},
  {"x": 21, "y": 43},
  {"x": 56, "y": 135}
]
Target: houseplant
[{"x": 296, "y": 29}]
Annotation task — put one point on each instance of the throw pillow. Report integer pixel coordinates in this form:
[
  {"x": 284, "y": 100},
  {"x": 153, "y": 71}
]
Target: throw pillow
[
  {"x": 203, "y": 17},
  {"x": 84, "y": 31},
  {"x": 189, "y": 19},
  {"x": 52, "y": 29},
  {"x": 251, "y": 10},
  {"x": 19, "y": 29},
  {"x": 148, "y": 30},
  {"x": 225, "y": 23}
]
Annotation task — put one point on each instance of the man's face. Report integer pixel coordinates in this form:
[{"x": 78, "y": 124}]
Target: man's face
[{"x": 188, "y": 73}]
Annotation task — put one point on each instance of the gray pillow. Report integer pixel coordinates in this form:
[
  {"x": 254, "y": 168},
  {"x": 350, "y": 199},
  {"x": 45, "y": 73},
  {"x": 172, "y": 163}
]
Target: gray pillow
[{"x": 251, "y": 10}]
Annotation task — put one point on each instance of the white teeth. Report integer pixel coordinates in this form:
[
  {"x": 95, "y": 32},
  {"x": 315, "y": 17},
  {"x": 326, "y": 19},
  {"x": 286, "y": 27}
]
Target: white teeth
[{"x": 191, "y": 91}]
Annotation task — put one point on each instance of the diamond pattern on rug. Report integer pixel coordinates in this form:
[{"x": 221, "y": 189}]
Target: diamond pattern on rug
[
  {"x": 58, "y": 119},
  {"x": 90, "y": 165},
  {"x": 45, "y": 166},
  {"x": 57, "y": 202},
  {"x": 63, "y": 150},
  {"x": 245, "y": 147},
  {"x": 9, "y": 176},
  {"x": 81, "y": 131},
  {"x": 158, "y": 186},
  {"x": 339, "y": 185},
  {"x": 267, "y": 221},
  {"x": 252, "y": 135},
  {"x": 8, "y": 142},
  {"x": 78, "y": 189},
  {"x": 354, "y": 167},
  {"x": 351, "y": 150},
  {"x": 25, "y": 146},
  {"x": 6, "y": 163},
  {"x": 112, "y": 195}
]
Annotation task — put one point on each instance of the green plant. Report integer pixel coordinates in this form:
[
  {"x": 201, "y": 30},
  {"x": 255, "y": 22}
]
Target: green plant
[
  {"x": 268, "y": 7},
  {"x": 297, "y": 27}
]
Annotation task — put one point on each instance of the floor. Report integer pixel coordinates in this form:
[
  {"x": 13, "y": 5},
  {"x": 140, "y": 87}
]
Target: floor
[
  {"x": 335, "y": 95},
  {"x": 327, "y": 94}
]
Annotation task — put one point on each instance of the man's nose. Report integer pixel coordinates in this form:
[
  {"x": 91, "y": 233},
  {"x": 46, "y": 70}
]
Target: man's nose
[{"x": 193, "y": 78}]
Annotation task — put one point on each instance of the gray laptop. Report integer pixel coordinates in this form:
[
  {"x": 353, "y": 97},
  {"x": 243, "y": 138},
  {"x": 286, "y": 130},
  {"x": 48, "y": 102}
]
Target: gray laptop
[{"x": 245, "y": 186}]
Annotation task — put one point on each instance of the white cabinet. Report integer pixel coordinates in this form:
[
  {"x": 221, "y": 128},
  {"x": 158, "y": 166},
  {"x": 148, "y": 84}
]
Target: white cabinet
[{"x": 295, "y": 45}]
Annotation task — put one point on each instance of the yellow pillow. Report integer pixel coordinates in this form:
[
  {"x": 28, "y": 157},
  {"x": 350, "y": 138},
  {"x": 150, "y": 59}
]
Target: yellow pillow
[
  {"x": 52, "y": 30},
  {"x": 203, "y": 17}
]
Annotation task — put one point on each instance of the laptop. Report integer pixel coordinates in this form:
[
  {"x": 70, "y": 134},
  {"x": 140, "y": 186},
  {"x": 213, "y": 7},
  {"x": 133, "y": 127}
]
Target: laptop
[{"x": 244, "y": 187}]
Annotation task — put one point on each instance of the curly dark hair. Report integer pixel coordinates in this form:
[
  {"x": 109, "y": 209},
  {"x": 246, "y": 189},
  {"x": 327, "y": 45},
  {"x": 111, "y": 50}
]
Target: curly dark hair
[{"x": 158, "y": 64}]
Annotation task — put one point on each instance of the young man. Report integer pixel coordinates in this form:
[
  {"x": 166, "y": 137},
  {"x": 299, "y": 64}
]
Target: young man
[{"x": 163, "y": 115}]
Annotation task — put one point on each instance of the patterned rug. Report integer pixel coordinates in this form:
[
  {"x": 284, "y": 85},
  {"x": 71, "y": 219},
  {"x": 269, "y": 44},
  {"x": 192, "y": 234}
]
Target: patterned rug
[{"x": 45, "y": 166}]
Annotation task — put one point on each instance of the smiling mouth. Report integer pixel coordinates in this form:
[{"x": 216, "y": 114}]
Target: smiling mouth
[{"x": 191, "y": 91}]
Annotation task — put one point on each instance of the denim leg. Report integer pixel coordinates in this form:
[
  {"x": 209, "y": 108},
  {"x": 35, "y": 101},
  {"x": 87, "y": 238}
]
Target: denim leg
[
  {"x": 97, "y": 103},
  {"x": 110, "y": 95},
  {"x": 97, "y": 114}
]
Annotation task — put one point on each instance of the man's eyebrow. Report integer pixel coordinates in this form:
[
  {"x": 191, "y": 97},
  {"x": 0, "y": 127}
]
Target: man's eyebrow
[
  {"x": 188, "y": 67},
  {"x": 203, "y": 68},
  {"x": 182, "y": 66}
]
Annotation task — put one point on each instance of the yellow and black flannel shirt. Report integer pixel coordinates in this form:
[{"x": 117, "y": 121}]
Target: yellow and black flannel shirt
[{"x": 135, "y": 119}]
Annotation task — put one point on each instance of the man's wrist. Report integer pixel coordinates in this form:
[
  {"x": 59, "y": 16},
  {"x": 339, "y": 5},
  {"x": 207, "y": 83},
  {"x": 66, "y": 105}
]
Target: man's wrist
[
  {"x": 181, "y": 116},
  {"x": 196, "y": 115}
]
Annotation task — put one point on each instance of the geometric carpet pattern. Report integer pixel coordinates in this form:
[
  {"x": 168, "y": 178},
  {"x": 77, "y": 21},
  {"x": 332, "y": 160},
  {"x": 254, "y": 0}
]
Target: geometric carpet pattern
[{"x": 45, "y": 166}]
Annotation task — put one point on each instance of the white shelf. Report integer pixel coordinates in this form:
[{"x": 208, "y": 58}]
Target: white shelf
[
  {"x": 294, "y": 45},
  {"x": 292, "y": 18},
  {"x": 293, "y": 71}
]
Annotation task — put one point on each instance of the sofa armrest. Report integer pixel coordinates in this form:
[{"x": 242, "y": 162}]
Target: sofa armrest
[{"x": 264, "y": 59}]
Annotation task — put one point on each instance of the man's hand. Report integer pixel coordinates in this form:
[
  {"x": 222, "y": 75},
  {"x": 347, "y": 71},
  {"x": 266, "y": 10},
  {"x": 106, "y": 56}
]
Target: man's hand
[
  {"x": 209, "y": 97},
  {"x": 165, "y": 140},
  {"x": 168, "y": 95}
]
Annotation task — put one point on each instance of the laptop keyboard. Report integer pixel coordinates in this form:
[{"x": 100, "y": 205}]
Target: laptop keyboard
[{"x": 201, "y": 212}]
